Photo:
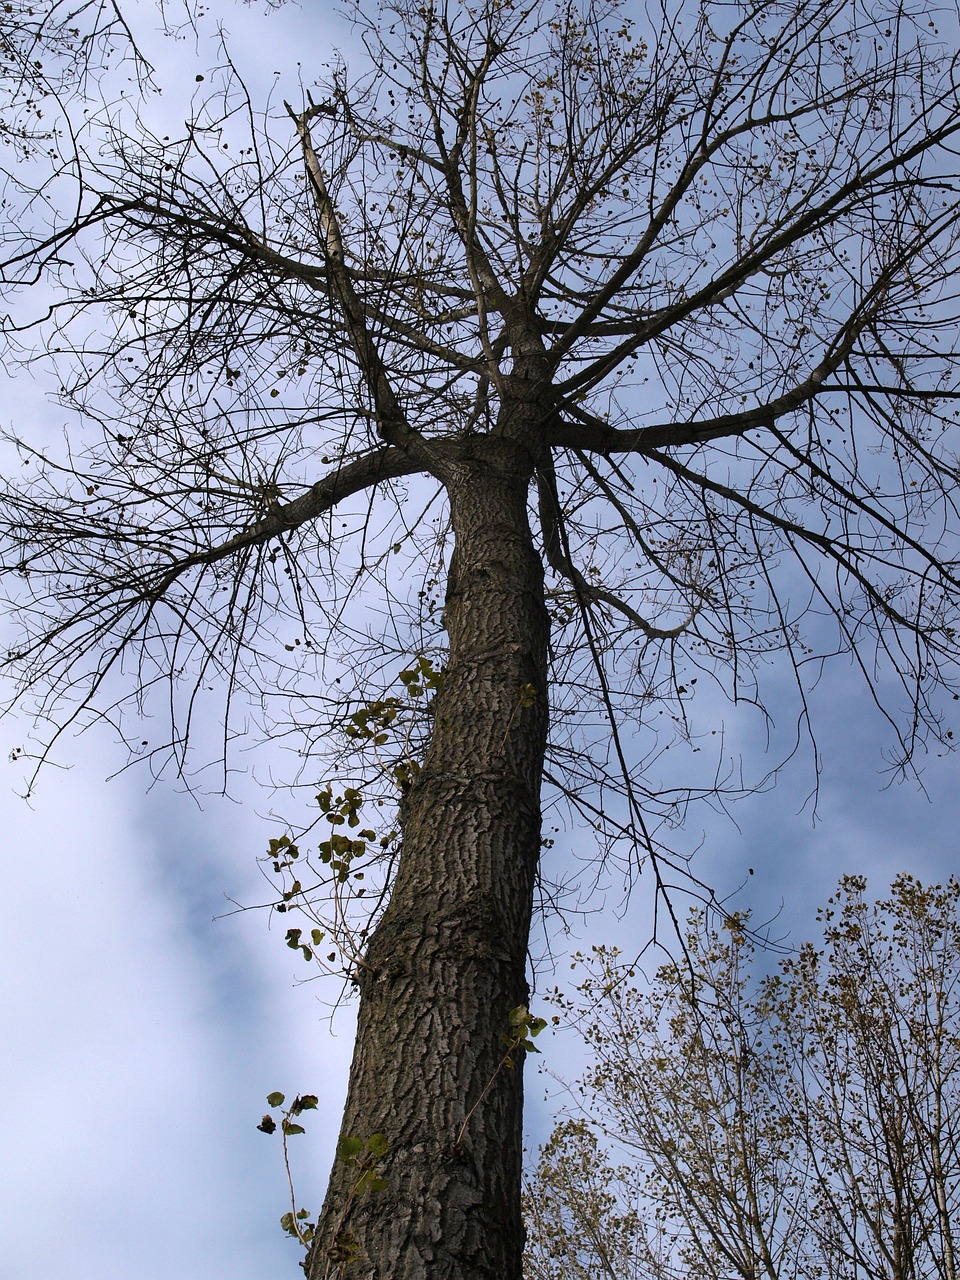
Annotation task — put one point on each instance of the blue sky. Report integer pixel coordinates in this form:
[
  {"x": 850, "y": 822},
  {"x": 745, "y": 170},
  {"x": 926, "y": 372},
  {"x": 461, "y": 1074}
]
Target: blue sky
[{"x": 143, "y": 1027}]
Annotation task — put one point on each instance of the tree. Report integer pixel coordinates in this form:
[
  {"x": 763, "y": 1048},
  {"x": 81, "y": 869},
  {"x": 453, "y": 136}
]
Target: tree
[
  {"x": 51, "y": 55},
  {"x": 684, "y": 280},
  {"x": 799, "y": 1124}
]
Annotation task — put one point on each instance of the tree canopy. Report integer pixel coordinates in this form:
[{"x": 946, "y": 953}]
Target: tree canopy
[
  {"x": 718, "y": 226},
  {"x": 604, "y": 354},
  {"x": 788, "y": 1124}
]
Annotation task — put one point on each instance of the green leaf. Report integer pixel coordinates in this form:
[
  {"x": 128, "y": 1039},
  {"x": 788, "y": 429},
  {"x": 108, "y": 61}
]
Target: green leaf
[
  {"x": 378, "y": 1145},
  {"x": 275, "y": 1099},
  {"x": 348, "y": 1149},
  {"x": 308, "y": 1102},
  {"x": 527, "y": 695},
  {"x": 290, "y": 1129},
  {"x": 370, "y": 1180}
]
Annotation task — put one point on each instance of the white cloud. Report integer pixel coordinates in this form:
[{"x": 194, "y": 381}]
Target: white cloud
[{"x": 141, "y": 1038}]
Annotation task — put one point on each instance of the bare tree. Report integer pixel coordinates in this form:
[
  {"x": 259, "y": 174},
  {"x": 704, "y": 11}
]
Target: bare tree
[
  {"x": 686, "y": 281},
  {"x": 803, "y": 1124},
  {"x": 51, "y": 54}
]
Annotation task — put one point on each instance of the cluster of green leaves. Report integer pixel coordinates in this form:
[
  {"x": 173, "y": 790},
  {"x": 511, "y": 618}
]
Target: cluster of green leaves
[
  {"x": 288, "y": 1127},
  {"x": 373, "y": 723},
  {"x": 339, "y": 851},
  {"x": 524, "y": 1027},
  {"x": 283, "y": 853},
  {"x": 526, "y": 695},
  {"x": 350, "y": 848},
  {"x": 422, "y": 678},
  {"x": 295, "y": 1221},
  {"x": 295, "y": 1225},
  {"x": 364, "y": 1155},
  {"x": 294, "y": 939}
]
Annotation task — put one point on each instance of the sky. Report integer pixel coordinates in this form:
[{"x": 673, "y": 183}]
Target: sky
[{"x": 144, "y": 1021}]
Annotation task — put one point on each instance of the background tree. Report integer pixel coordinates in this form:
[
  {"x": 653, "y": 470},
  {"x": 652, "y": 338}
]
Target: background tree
[
  {"x": 685, "y": 282},
  {"x": 802, "y": 1124}
]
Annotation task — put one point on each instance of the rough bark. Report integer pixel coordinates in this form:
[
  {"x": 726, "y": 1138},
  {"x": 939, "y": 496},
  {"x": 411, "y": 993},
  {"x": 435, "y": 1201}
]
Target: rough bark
[{"x": 446, "y": 964}]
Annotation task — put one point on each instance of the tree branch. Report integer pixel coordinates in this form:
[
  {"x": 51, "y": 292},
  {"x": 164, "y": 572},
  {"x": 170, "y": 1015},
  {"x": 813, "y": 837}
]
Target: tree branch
[
  {"x": 391, "y": 420},
  {"x": 560, "y": 561},
  {"x": 363, "y": 473}
]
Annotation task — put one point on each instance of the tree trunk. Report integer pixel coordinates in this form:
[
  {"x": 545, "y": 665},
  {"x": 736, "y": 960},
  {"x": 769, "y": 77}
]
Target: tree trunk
[{"x": 447, "y": 961}]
